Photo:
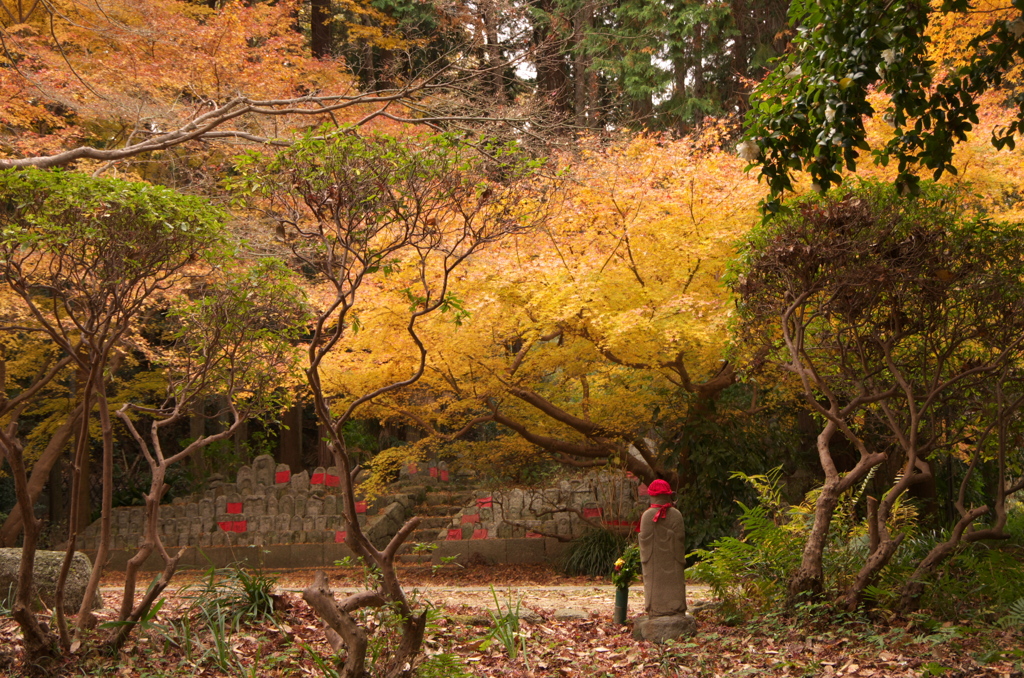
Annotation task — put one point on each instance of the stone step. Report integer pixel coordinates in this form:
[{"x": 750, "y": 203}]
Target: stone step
[
  {"x": 450, "y": 498},
  {"x": 438, "y": 511},
  {"x": 434, "y": 523},
  {"x": 414, "y": 558},
  {"x": 421, "y": 536}
]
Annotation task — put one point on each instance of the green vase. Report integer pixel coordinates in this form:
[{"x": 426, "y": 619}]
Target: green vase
[{"x": 621, "y": 604}]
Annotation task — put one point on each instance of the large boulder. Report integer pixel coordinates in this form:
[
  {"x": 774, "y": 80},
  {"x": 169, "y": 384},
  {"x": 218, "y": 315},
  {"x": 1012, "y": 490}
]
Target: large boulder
[{"x": 46, "y": 570}]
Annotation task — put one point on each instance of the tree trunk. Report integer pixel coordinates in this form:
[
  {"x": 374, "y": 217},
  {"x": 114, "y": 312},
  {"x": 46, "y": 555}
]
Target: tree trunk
[
  {"x": 338, "y": 619},
  {"x": 40, "y": 474},
  {"x": 40, "y": 643},
  {"x": 83, "y": 517},
  {"x": 86, "y": 620},
  {"x": 493, "y": 50},
  {"x": 130, "y": 613},
  {"x": 55, "y": 500},
  {"x": 83, "y": 497},
  {"x": 698, "y": 72},
  {"x": 240, "y": 439},
  {"x": 878, "y": 558},
  {"x": 80, "y": 489},
  {"x": 733, "y": 93},
  {"x": 320, "y": 28},
  {"x": 552, "y": 79},
  {"x": 582, "y": 25},
  {"x": 289, "y": 442},
  {"x": 323, "y": 449},
  {"x": 808, "y": 580}
]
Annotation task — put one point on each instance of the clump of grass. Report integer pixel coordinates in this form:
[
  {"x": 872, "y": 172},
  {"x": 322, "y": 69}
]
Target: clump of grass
[
  {"x": 238, "y": 595},
  {"x": 593, "y": 554}
]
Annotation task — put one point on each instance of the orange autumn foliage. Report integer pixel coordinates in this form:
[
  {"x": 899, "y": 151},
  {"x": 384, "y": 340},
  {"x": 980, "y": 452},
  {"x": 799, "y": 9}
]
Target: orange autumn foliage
[{"x": 112, "y": 73}]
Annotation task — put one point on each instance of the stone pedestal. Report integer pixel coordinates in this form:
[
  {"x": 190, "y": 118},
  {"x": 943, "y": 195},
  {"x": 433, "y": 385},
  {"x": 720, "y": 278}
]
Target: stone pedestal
[{"x": 661, "y": 629}]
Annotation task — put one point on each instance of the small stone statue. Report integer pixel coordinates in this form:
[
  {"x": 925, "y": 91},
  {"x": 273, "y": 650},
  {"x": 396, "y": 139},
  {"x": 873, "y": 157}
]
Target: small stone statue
[{"x": 663, "y": 554}]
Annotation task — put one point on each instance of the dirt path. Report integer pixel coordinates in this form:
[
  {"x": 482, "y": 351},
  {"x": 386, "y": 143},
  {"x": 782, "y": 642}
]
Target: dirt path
[
  {"x": 599, "y": 600},
  {"x": 539, "y": 589},
  {"x": 589, "y": 599}
]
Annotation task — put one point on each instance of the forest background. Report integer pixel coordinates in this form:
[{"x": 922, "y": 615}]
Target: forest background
[{"x": 568, "y": 286}]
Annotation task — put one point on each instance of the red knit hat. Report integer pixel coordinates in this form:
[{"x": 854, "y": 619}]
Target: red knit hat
[{"x": 659, "y": 487}]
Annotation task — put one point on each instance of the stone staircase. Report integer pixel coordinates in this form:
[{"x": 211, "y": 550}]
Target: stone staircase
[{"x": 435, "y": 509}]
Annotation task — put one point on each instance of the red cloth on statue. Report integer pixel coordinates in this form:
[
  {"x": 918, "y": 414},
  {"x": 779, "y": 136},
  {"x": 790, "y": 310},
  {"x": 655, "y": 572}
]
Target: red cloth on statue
[{"x": 662, "y": 510}]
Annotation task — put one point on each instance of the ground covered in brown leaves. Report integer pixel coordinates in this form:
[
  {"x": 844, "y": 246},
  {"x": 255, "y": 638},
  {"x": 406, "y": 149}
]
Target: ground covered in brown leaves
[{"x": 461, "y": 640}]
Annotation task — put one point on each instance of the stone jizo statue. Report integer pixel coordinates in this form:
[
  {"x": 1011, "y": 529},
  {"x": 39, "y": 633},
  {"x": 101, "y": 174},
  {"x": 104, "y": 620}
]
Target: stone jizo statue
[{"x": 663, "y": 558}]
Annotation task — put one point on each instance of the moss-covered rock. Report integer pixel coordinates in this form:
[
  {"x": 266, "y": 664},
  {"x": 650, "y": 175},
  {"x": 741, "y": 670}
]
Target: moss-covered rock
[{"x": 45, "y": 572}]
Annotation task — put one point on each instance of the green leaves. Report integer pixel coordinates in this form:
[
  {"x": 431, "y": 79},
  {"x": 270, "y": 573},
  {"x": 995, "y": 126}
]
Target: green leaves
[
  {"x": 123, "y": 228},
  {"x": 455, "y": 306},
  {"x": 808, "y": 114},
  {"x": 240, "y": 334},
  {"x": 85, "y": 255}
]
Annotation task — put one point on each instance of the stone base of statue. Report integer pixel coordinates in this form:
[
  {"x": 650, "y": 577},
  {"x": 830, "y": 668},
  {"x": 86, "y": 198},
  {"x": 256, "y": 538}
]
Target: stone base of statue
[{"x": 661, "y": 629}]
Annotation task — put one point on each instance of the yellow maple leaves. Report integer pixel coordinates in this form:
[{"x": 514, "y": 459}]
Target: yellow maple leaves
[{"x": 604, "y": 312}]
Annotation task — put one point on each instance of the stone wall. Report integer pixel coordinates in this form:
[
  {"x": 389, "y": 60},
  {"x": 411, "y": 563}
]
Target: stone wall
[
  {"x": 266, "y": 504},
  {"x": 275, "y": 518},
  {"x": 566, "y": 510}
]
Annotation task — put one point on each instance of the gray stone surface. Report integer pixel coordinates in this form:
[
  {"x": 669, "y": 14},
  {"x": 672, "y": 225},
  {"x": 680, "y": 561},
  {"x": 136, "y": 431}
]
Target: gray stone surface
[
  {"x": 300, "y": 481},
  {"x": 384, "y": 525},
  {"x": 263, "y": 468},
  {"x": 570, "y": 614},
  {"x": 664, "y": 628},
  {"x": 45, "y": 571},
  {"x": 530, "y": 616},
  {"x": 244, "y": 475}
]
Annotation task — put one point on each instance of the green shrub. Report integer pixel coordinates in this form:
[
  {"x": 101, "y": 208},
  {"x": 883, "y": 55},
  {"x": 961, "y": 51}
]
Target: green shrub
[
  {"x": 750, "y": 573},
  {"x": 983, "y": 580},
  {"x": 593, "y": 554}
]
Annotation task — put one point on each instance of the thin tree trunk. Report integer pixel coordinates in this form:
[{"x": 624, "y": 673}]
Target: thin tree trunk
[
  {"x": 290, "y": 439},
  {"x": 698, "y": 72},
  {"x": 323, "y": 449},
  {"x": 40, "y": 644},
  {"x": 130, "y": 613},
  {"x": 83, "y": 495},
  {"x": 83, "y": 498},
  {"x": 55, "y": 499},
  {"x": 150, "y": 536},
  {"x": 911, "y": 592},
  {"x": 86, "y": 619},
  {"x": 808, "y": 580},
  {"x": 320, "y": 28},
  {"x": 80, "y": 486},
  {"x": 40, "y": 474},
  {"x": 878, "y": 558}
]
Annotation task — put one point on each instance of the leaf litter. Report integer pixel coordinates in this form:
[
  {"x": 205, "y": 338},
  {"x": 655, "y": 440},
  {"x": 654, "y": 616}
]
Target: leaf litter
[{"x": 771, "y": 646}]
